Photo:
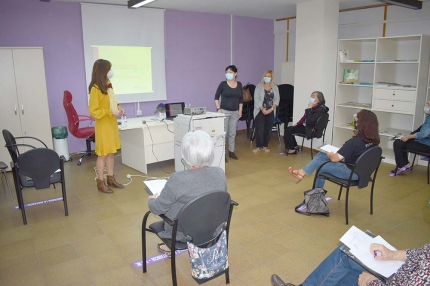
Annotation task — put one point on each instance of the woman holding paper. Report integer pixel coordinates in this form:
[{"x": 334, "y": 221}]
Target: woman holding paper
[
  {"x": 367, "y": 137},
  {"x": 339, "y": 269},
  {"x": 104, "y": 107},
  {"x": 197, "y": 153}
]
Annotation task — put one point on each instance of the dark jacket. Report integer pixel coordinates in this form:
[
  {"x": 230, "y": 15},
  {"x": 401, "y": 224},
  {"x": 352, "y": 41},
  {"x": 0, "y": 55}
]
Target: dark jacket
[{"x": 312, "y": 116}]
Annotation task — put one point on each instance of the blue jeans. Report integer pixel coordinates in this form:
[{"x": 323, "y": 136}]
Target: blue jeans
[
  {"x": 336, "y": 269},
  {"x": 339, "y": 170}
]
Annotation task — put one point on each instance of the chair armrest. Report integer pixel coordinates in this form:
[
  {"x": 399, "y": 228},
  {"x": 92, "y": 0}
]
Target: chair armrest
[
  {"x": 82, "y": 118},
  {"x": 16, "y": 145},
  {"x": 166, "y": 219},
  {"x": 29, "y": 137},
  {"x": 234, "y": 203}
]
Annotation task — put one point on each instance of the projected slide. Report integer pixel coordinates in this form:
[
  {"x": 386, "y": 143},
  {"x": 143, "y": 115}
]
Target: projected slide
[{"x": 131, "y": 66}]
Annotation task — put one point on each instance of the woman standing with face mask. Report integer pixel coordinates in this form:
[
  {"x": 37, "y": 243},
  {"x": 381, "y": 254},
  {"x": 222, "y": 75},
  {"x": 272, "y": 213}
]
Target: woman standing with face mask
[
  {"x": 105, "y": 109},
  {"x": 266, "y": 98},
  {"x": 231, "y": 105},
  {"x": 316, "y": 108},
  {"x": 419, "y": 140}
]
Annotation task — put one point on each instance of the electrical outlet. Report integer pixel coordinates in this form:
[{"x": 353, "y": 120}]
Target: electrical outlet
[{"x": 139, "y": 113}]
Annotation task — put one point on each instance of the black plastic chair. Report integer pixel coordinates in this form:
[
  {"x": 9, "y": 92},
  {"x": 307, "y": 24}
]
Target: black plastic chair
[
  {"x": 248, "y": 111},
  {"x": 317, "y": 132},
  {"x": 27, "y": 181},
  {"x": 198, "y": 220},
  {"x": 366, "y": 164}
]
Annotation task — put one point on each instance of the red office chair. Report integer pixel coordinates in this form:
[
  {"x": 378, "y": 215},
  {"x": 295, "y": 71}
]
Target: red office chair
[{"x": 74, "y": 119}]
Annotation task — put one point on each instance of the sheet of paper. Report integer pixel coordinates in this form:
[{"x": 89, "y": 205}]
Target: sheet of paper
[
  {"x": 156, "y": 186},
  {"x": 329, "y": 148},
  {"x": 359, "y": 243}
]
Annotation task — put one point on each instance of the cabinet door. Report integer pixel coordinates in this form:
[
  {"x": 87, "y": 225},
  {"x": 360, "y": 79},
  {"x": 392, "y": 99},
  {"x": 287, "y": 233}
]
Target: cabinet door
[
  {"x": 9, "y": 115},
  {"x": 32, "y": 94}
]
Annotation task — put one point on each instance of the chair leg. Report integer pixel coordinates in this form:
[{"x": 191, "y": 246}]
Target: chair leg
[
  {"x": 303, "y": 142},
  {"x": 312, "y": 148},
  {"x": 21, "y": 199},
  {"x": 7, "y": 183},
  {"x": 247, "y": 128},
  {"x": 145, "y": 217},
  {"x": 279, "y": 133},
  {"x": 173, "y": 266},
  {"x": 428, "y": 165},
  {"x": 340, "y": 192},
  {"x": 227, "y": 277},
  {"x": 371, "y": 198},
  {"x": 346, "y": 204},
  {"x": 413, "y": 162}
]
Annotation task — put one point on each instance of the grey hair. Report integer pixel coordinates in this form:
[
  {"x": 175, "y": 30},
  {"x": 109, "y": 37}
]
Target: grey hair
[
  {"x": 320, "y": 96},
  {"x": 197, "y": 148}
]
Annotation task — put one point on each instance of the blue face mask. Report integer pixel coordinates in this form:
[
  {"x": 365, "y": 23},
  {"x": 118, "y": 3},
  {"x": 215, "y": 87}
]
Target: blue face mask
[
  {"x": 267, "y": 79},
  {"x": 229, "y": 76},
  {"x": 312, "y": 100}
]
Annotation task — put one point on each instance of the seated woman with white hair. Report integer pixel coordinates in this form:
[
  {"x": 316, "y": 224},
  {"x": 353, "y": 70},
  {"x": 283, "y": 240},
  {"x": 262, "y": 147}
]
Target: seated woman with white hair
[{"x": 197, "y": 152}]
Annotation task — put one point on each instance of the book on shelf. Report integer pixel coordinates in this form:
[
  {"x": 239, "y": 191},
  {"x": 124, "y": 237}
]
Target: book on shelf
[
  {"x": 356, "y": 244},
  {"x": 350, "y": 76},
  {"x": 357, "y": 104}
]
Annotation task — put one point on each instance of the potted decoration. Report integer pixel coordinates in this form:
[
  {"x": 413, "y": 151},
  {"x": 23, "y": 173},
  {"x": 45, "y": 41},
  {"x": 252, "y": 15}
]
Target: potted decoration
[{"x": 161, "y": 110}]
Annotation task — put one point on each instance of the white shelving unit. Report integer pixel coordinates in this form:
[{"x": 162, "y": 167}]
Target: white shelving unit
[{"x": 393, "y": 83}]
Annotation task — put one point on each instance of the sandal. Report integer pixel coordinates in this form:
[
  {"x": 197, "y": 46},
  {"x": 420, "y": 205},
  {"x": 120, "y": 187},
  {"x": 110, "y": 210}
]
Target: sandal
[
  {"x": 267, "y": 150},
  {"x": 296, "y": 174},
  {"x": 256, "y": 150},
  {"x": 167, "y": 252}
]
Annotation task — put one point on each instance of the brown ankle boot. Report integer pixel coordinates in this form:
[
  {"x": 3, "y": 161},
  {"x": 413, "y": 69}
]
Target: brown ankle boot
[
  {"x": 111, "y": 182},
  {"x": 102, "y": 187}
]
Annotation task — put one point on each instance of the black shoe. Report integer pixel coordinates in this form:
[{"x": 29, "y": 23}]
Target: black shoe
[
  {"x": 233, "y": 156},
  {"x": 277, "y": 281},
  {"x": 291, "y": 153}
]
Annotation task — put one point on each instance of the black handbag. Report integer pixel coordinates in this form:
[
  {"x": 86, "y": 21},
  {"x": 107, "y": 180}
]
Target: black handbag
[{"x": 314, "y": 203}]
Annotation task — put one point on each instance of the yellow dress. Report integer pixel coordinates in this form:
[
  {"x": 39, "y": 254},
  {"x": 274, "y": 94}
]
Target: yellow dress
[{"x": 107, "y": 135}]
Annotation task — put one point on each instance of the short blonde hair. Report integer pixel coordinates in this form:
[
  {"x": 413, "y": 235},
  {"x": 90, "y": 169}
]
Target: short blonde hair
[{"x": 271, "y": 76}]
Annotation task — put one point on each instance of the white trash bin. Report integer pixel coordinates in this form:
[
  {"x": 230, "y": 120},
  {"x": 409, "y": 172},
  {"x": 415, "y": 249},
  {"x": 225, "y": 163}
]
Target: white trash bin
[{"x": 59, "y": 138}]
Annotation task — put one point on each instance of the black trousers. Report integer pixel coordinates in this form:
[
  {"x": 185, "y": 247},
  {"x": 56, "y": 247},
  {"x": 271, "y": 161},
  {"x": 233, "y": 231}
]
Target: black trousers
[
  {"x": 263, "y": 128},
  {"x": 400, "y": 153},
  {"x": 288, "y": 136}
]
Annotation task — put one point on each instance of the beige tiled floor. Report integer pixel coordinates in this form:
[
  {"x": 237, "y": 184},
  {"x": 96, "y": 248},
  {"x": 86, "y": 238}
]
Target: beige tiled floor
[{"x": 100, "y": 239}]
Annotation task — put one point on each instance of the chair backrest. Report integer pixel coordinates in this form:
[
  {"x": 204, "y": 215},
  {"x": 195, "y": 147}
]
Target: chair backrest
[
  {"x": 200, "y": 218},
  {"x": 72, "y": 115},
  {"x": 321, "y": 125},
  {"x": 366, "y": 164},
  {"x": 286, "y": 94},
  {"x": 39, "y": 164},
  {"x": 248, "y": 107},
  {"x": 11, "y": 145}
]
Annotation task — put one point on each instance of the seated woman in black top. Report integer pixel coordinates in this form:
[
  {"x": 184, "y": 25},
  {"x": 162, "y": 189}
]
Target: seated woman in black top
[
  {"x": 315, "y": 109},
  {"x": 367, "y": 137}
]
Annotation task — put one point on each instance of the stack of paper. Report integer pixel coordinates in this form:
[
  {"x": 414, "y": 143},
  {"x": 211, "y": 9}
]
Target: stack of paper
[
  {"x": 329, "y": 148},
  {"x": 359, "y": 246},
  {"x": 155, "y": 186}
]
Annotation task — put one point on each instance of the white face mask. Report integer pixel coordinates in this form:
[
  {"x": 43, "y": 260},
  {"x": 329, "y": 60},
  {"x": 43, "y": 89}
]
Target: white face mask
[
  {"x": 427, "y": 110},
  {"x": 110, "y": 74}
]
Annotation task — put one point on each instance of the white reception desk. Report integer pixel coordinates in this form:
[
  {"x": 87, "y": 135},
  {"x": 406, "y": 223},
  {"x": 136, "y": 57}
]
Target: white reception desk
[{"x": 140, "y": 142}]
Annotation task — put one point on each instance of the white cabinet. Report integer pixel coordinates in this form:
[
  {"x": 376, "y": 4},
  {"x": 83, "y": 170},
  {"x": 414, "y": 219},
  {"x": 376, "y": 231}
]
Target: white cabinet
[
  {"x": 392, "y": 82},
  {"x": 24, "y": 107}
]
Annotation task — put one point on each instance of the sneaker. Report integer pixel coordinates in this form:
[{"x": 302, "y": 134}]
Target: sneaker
[{"x": 400, "y": 171}]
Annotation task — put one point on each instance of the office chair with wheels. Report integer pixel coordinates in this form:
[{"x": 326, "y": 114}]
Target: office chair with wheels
[
  {"x": 198, "y": 220},
  {"x": 74, "y": 119},
  {"x": 366, "y": 165},
  {"x": 316, "y": 131}
]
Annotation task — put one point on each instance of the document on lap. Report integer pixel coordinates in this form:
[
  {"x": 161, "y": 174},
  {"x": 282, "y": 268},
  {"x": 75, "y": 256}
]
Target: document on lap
[
  {"x": 329, "y": 148},
  {"x": 154, "y": 186},
  {"x": 359, "y": 243}
]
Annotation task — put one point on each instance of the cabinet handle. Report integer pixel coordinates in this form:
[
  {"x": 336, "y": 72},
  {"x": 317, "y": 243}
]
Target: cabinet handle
[
  {"x": 15, "y": 109},
  {"x": 22, "y": 109}
]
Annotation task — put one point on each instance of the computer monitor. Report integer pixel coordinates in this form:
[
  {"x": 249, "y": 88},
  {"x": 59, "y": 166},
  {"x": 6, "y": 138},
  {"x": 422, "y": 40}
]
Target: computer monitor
[{"x": 173, "y": 109}]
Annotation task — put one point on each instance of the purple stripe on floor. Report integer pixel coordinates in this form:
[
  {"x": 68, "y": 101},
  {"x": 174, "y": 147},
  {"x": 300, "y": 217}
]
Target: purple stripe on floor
[
  {"x": 39, "y": 203},
  {"x": 156, "y": 258},
  {"x": 302, "y": 208}
]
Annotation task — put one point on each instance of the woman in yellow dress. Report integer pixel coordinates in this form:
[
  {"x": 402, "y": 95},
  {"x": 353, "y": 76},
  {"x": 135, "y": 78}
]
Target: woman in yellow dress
[{"x": 105, "y": 109}]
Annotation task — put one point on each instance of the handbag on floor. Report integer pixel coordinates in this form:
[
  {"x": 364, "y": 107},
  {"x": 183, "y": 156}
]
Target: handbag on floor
[
  {"x": 209, "y": 262},
  {"x": 314, "y": 203}
]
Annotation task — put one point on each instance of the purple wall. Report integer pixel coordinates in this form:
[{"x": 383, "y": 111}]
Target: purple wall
[{"x": 197, "y": 51}]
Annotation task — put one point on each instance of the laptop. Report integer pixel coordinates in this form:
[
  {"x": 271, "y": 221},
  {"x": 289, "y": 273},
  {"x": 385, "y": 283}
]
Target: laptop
[{"x": 173, "y": 109}]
